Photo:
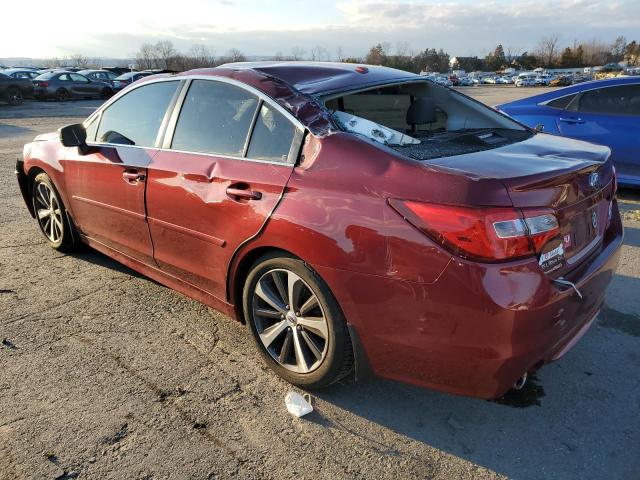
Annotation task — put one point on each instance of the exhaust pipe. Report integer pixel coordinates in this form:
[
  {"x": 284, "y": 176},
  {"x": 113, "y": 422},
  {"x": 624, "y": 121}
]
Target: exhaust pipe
[{"x": 519, "y": 385}]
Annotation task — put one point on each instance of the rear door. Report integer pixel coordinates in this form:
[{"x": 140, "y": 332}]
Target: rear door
[
  {"x": 82, "y": 85},
  {"x": 228, "y": 155},
  {"x": 609, "y": 116},
  {"x": 107, "y": 185}
]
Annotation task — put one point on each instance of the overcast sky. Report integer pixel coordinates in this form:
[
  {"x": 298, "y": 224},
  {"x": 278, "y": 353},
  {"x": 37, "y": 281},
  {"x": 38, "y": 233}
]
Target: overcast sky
[{"x": 264, "y": 27}]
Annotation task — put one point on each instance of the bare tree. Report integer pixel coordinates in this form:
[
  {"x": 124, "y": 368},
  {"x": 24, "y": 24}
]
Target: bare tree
[
  {"x": 339, "y": 54},
  {"x": 145, "y": 57},
  {"x": 320, "y": 54},
  {"x": 235, "y": 55},
  {"x": 402, "y": 49},
  {"x": 298, "y": 53},
  {"x": 78, "y": 60},
  {"x": 165, "y": 54},
  {"x": 548, "y": 49},
  {"x": 512, "y": 53},
  {"x": 200, "y": 56}
]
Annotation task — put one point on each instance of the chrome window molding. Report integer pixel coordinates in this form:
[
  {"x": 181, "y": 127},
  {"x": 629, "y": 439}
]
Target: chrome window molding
[
  {"x": 165, "y": 133},
  {"x": 581, "y": 92}
]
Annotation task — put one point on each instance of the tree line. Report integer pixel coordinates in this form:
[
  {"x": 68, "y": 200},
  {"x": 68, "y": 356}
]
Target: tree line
[{"x": 549, "y": 53}]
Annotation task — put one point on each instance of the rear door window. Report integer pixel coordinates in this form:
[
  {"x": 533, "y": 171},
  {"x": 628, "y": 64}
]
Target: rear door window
[
  {"x": 215, "y": 118},
  {"x": 620, "y": 100},
  {"x": 79, "y": 78},
  {"x": 135, "y": 118},
  {"x": 272, "y": 136}
]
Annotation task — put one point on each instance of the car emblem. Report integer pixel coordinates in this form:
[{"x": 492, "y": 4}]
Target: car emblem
[
  {"x": 594, "y": 180},
  {"x": 594, "y": 219}
]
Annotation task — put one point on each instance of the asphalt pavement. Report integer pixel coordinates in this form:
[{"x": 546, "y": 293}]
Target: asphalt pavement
[{"x": 107, "y": 374}]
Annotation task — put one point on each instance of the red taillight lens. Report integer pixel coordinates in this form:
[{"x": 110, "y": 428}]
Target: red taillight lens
[
  {"x": 43, "y": 84},
  {"x": 487, "y": 234}
]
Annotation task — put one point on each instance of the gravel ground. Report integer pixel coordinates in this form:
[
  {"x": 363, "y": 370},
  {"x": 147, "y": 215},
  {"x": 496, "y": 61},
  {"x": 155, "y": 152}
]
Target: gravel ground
[{"x": 106, "y": 374}]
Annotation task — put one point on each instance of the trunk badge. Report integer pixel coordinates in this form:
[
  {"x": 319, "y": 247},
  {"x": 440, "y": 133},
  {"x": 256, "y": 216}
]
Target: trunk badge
[
  {"x": 566, "y": 241},
  {"x": 594, "y": 180},
  {"x": 594, "y": 219}
]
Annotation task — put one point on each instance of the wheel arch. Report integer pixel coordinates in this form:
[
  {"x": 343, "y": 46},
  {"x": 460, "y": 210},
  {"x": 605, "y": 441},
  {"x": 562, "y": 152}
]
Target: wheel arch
[{"x": 238, "y": 273}]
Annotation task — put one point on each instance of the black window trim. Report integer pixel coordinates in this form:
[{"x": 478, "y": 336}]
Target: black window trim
[{"x": 580, "y": 94}]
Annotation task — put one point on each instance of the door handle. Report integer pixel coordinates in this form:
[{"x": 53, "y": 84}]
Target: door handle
[
  {"x": 572, "y": 120},
  {"x": 244, "y": 193},
  {"x": 132, "y": 176}
]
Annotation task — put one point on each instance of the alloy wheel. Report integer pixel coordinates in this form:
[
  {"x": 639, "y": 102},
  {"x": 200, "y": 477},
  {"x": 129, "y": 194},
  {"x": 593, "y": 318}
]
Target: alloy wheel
[
  {"x": 290, "y": 321},
  {"x": 49, "y": 212}
]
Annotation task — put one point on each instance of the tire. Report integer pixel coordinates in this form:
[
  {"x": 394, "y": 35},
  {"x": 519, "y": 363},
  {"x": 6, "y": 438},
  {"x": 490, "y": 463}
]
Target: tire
[
  {"x": 310, "y": 347},
  {"x": 14, "y": 96},
  {"x": 52, "y": 216},
  {"x": 62, "y": 95},
  {"x": 106, "y": 93}
]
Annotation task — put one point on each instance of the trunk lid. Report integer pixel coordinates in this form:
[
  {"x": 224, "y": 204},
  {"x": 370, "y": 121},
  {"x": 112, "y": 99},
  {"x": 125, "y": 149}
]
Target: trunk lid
[{"x": 574, "y": 179}]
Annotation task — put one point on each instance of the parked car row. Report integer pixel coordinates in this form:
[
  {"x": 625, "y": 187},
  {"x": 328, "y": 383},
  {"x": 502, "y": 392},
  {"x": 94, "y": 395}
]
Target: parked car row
[{"x": 18, "y": 83}]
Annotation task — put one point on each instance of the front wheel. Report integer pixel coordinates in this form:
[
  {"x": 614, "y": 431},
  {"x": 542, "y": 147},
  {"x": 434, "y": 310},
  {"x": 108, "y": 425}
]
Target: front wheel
[
  {"x": 51, "y": 215},
  {"x": 296, "y": 322}
]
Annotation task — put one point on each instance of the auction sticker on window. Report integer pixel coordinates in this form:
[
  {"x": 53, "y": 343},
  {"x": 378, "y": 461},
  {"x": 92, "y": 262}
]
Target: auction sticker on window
[{"x": 552, "y": 259}]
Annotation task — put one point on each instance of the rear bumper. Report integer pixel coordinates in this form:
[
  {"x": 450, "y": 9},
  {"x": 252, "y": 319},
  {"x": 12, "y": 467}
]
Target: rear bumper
[{"x": 479, "y": 327}]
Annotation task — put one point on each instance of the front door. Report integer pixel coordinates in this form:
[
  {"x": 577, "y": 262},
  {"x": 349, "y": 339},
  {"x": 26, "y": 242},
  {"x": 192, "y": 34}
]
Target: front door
[
  {"x": 221, "y": 175},
  {"x": 107, "y": 185}
]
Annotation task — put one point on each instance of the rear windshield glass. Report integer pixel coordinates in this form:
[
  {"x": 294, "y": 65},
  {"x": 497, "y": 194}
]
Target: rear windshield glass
[
  {"x": 45, "y": 76},
  {"x": 423, "y": 120}
]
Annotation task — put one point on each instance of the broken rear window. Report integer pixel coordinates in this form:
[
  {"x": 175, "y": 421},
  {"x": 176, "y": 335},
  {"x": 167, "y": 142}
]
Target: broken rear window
[{"x": 423, "y": 120}]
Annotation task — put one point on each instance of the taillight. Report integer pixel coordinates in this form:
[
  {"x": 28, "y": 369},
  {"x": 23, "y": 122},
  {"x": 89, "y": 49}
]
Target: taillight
[
  {"x": 43, "y": 84},
  {"x": 487, "y": 234}
]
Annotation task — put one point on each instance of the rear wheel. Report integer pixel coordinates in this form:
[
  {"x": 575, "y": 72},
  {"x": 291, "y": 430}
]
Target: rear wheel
[
  {"x": 62, "y": 95},
  {"x": 51, "y": 215},
  {"x": 14, "y": 96},
  {"x": 296, "y": 322}
]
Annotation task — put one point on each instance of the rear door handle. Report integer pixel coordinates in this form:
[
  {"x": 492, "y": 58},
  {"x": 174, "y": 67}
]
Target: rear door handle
[
  {"x": 244, "y": 193},
  {"x": 572, "y": 120}
]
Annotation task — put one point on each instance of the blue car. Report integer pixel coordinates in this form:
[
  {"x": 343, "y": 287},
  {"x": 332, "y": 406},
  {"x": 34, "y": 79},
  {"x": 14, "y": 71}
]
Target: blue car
[{"x": 606, "y": 112}]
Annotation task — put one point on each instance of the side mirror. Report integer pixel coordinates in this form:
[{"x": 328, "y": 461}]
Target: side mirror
[{"x": 73, "y": 135}]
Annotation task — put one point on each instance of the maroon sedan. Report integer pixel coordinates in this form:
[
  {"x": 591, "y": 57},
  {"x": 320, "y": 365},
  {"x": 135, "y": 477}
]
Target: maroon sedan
[{"x": 353, "y": 217}]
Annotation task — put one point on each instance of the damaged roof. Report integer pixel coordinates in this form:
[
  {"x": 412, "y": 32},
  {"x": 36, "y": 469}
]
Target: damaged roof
[{"x": 321, "y": 78}]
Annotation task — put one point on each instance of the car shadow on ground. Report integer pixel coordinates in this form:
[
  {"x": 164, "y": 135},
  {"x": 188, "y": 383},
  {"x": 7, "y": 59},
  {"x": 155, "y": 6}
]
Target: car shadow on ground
[{"x": 573, "y": 419}]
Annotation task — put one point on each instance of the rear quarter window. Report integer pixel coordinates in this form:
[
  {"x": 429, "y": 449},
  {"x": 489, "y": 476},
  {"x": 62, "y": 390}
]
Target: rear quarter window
[
  {"x": 272, "y": 136},
  {"x": 562, "y": 102}
]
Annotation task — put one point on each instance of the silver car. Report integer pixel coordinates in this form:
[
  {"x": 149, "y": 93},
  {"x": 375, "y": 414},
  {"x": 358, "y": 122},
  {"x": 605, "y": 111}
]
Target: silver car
[{"x": 63, "y": 85}]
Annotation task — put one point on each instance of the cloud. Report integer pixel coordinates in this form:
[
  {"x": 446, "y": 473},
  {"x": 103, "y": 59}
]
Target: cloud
[{"x": 263, "y": 27}]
